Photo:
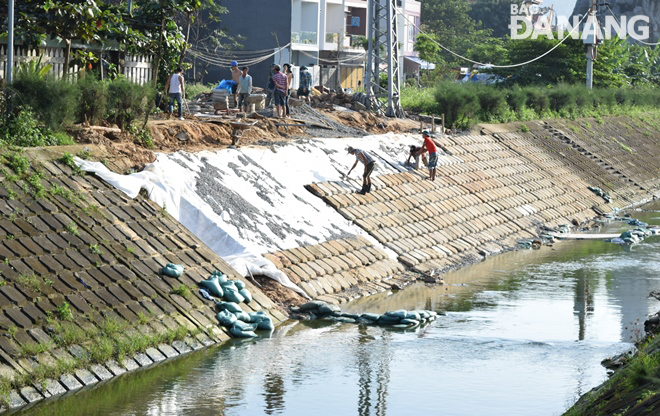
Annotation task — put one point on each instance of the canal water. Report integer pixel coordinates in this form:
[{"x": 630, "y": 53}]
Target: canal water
[{"x": 524, "y": 334}]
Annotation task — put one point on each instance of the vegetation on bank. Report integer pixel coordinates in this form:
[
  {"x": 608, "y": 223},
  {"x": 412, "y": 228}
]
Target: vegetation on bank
[
  {"x": 464, "y": 104},
  {"x": 633, "y": 389}
]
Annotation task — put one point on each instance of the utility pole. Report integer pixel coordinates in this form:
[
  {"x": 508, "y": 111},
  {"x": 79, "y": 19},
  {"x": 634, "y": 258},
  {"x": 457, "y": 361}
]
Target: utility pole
[
  {"x": 10, "y": 45},
  {"x": 591, "y": 40},
  {"x": 383, "y": 37}
]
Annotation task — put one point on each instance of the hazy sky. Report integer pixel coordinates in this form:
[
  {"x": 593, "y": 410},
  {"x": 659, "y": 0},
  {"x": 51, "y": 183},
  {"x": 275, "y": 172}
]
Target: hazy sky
[{"x": 562, "y": 7}]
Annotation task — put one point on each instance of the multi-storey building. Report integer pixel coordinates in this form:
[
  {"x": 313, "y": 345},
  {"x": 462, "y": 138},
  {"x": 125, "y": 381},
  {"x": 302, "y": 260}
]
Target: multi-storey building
[{"x": 327, "y": 36}]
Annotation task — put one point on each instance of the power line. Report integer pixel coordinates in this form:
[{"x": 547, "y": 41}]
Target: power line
[
  {"x": 619, "y": 22},
  {"x": 226, "y": 62},
  {"x": 335, "y": 61},
  {"x": 499, "y": 66}
]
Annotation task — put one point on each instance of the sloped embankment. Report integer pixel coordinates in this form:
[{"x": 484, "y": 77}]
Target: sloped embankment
[
  {"x": 493, "y": 190},
  {"x": 81, "y": 295}
]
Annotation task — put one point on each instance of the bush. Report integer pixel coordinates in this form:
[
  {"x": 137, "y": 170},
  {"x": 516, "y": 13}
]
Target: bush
[
  {"x": 492, "y": 101},
  {"x": 23, "y": 129},
  {"x": 561, "y": 99},
  {"x": 516, "y": 98},
  {"x": 93, "y": 100},
  {"x": 127, "y": 101},
  {"x": 458, "y": 102},
  {"x": 53, "y": 101},
  {"x": 537, "y": 100}
]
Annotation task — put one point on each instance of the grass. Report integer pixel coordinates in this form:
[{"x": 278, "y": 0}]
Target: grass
[
  {"x": 35, "y": 181},
  {"x": 30, "y": 349},
  {"x": 94, "y": 249},
  {"x": 73, "y": 228},
  {"x": 182, "y": 290},
  {"x": 30, "y": 281},
  {"x": 67, "y": 159},
  {"x": 18, "y": 163},
  {"x": 64, "y": 313}
]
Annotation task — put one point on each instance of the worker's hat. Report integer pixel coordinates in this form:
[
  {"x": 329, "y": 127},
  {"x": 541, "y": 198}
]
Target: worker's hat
[
  {"x": 350, "y": 149},
  {"x": 302, "y": 68},
  {"x": 233, "y": 63},
  {"x": 425, "y": 133}
]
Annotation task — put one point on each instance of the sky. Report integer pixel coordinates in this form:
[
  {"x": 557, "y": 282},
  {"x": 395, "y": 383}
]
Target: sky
[{"x": 562, "y": 7}]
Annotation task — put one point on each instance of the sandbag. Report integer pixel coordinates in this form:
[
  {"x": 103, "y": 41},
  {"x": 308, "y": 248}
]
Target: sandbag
[
  {"x": 410, "y": 322},
  {"x": 231, "y": 292},
  {"x": 213, "y": 286},
  {"x": 173, "y": 270},
  {"x": 222, "y": 278},
  {"x": 226, "y": 318},
  {"x": 239, "y": 284},
  {"x": 370, "y": 316},
  {"x": 229, "y": 306},
  {"x": 349, "y": 315},
  {"x": 243, "y": 316},
  {"x": 340, "y": 319},
  {"x": 236, "y": 332},
  {"x": 244, "y": 326},
  {"x": 329, "y": 309},
  {"x": 388, "y": 320},
  {"x": 315, "y": 304},
  {"x": 266, "y": 324},
  {"x": 401, "y": 314},
  {"x": 412, "y": 315},
  {"x": 246, "y": 295}
]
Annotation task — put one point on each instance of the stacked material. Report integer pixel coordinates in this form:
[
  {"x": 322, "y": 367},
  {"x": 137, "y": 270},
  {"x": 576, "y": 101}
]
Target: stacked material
[
  {"x": 606, "y": 196},
  {"x": 259, "y": 101},
  {"x": 222, "y": 98},
  {"x": 240, "y": 323},
  {"x": 395, "y": 319}
]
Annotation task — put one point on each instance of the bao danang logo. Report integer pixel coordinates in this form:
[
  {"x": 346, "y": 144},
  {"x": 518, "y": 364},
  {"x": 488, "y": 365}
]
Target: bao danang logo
[{"x": 532, "y": 22}]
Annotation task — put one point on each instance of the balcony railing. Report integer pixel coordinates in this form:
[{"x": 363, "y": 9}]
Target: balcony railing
[{"x": 306, "y": 38}]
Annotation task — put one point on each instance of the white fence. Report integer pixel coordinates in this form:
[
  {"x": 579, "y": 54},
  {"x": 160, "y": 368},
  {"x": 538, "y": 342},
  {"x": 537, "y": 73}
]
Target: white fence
[{"x": 136, "y": 68}]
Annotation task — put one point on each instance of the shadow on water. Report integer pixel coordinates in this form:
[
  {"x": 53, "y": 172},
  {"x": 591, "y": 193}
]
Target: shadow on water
[{"x": 524, "y": 333}]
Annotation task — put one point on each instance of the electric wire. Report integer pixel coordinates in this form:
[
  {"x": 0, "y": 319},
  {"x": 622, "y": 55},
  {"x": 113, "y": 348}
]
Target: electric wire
[
  {"x": 335, "y": 61},
  {"x": 226, "y": 62},
  {"x": 499, "y": 66},
  {"x": 619, "y": 22}
]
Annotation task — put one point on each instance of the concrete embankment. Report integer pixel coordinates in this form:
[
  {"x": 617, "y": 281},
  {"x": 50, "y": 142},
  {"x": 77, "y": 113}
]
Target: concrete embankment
[
  {"x": 82, "y": 298},
  {"x": 81, "y": 295}
]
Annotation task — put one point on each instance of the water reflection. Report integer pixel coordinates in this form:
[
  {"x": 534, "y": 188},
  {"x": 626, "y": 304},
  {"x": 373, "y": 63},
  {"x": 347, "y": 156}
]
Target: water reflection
[{"x": 524, "y": 334}]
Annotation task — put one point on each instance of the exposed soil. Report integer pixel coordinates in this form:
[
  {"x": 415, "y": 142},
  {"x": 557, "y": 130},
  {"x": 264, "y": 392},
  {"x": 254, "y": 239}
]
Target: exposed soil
[
  {"x": 123, "y": 151},
  {"x": 279, "y": 294}
]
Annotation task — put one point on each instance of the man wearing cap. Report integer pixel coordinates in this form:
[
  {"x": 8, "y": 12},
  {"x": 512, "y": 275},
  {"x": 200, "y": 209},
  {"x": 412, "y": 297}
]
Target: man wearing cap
[
  {"x": 236, "y": 77},
  {"x": 305, "y": 83},
  {"x": 430, "y": 147},
  {"x": 369, "y": 164}
]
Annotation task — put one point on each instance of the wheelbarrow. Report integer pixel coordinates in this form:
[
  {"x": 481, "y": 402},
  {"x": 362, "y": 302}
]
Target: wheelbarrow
[{"x": 238, "y": 128}]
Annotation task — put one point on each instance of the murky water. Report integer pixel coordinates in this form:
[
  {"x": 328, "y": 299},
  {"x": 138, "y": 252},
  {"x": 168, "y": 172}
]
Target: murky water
[{"x": 524, "y": 334}]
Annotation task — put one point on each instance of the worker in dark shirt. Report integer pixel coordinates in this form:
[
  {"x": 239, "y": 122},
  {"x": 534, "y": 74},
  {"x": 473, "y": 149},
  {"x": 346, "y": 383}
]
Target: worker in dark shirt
[{"x": 369, "y": 164}]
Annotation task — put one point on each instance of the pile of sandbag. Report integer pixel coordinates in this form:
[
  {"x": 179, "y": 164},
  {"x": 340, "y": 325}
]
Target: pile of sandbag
[
  {"x": 232, "y": 292},
  {"x": 395, "y": 319},
  {"x": 606, "y": 196},
  {"x": 635, "y": 236}
]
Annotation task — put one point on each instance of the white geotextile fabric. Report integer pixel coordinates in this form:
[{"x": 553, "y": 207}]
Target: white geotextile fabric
[
  {"x": 258, "y": 193},
  {"x": 180, "y": 201}
]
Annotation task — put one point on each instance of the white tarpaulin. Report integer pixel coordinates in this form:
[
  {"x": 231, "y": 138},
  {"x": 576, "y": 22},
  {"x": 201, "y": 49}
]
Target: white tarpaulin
[{"x": 250, "y": 201}]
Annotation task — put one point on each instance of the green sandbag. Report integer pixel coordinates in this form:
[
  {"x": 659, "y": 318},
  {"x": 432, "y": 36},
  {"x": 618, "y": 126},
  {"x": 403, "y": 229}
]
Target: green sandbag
[
  {"x": 242, "y": 316},
  {"x": 401, "y": 314},
  {"x": 244, "y": 326},
  {"x": 222, "y": 278},
  {"x": 388, "y": 320},
  {"x": 349, "y": 315},
  {"x": 265, "y": 324},
  {"x": 226, "y": 318},
  {"x": 231, "y": 292},
  {"x": 173, "y": 270},
  {"x": 370, "y": 316},
  {"x": 329, "y": 309},
  {"x": 257, "y": 316},
  {"x": 229, "y": 306},
  {"x": 315, "y": 304},
  {"x": 412, "y": 315},
  {"x": 411, "y": 322},
  {"x": 213, "y": 286},
  {"x": 239, "y": 284},
  {"x": 246, "y": 294},
  {"x": 236, "y": 332},
  {"x": 364, "y": 321},
  {"x": 340, "y": 319}
]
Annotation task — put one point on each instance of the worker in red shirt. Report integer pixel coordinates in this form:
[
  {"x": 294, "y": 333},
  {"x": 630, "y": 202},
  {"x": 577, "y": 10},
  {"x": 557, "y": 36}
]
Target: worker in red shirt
[{"x": 429, "y": 146}]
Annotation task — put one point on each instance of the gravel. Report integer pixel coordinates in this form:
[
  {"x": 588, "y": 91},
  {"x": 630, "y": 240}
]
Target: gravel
[{"x": 309, "y": 115}]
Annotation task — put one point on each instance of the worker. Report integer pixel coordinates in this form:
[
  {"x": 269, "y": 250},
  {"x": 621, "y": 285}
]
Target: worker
[
  {"x": 270, "y": 86},
  {"x": 281, "y": 84},
  {"x": 369, "y": 164},
  {"x": 236, "y": 77},
  {"x": 177, "y": 91},
  {"x": 244, "y": 89},
  {"x": 416, "y": 152},
  {"x": 305, "y": 83},
  {"x": 430, "y": 147}
]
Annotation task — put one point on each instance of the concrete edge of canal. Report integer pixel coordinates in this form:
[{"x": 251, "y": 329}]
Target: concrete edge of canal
[{"x": 83, "y": 299}]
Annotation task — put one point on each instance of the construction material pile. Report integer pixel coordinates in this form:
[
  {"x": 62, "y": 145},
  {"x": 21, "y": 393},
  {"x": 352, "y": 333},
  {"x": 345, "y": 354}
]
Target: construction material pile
[
  {"x": 328, "y": 100},
  {"x": 395, "y": 319},
  {"x": 232, "y": 292}
]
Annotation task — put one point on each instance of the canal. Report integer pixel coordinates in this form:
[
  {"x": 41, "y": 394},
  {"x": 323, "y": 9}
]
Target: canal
[{"x": 524, "y": 334}]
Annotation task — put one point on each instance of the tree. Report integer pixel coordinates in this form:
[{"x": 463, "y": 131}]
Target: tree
[{"x": 494, "y": 15}]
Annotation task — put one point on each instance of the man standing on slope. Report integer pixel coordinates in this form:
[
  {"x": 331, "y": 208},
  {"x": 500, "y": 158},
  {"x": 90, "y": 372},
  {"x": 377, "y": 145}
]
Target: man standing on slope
[
  {"x": 175, "y": 87},
  {"x": 429, "y": 146},
  {"x": 369, "y": 164},
  {"x": 281, "y": 85}
]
